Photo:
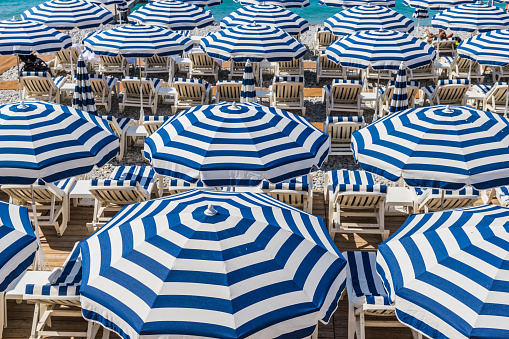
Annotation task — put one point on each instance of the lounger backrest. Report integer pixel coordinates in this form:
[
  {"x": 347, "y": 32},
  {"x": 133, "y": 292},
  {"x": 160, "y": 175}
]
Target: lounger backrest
[
  {"x": 346, "y": 91},
  {"x": 201, "y": 60},
  {"x": 412, "y": 88},
  {"x": 293, "y": 192},
  {"x": 499, "y": 93},
  {"x": 294, "y": 64},
  {"x": 122, "y": 192},
  {"x": 64, "y": 56},
  {"x": 144, "y": 175},
  {"x": 463, "y": 64},
  {"x": 328, "y": 64},
  {"x": 98, "y": 83},
  {"x": 190, "y": 89},
  {"x": 229, "y": 90},
  {"x": 288, "y": 88},
  {"x": 43, "y": 192},
  {"x": 112, "y": 61},
  {"x": 356, "y": 189},
  {"x": 451, "y": 91},
  {"x": 153, "y": 122},
  {"x": 156, "y": 60},
  {"x": 424, "y": 69},
  {"x": 452, "y": 199},
  {"x": 132, "y": 86},
  {"x": 37, "y": 82},
  {"x": 340, "y": 129},
  {"x": 325, "y": 38}
]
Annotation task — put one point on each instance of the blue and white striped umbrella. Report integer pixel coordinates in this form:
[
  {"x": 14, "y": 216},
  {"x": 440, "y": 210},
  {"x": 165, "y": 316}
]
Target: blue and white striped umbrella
[
  {"x": 69, "y": 14},
  {"x": 381, "y": 50},
  {"x": 254, "y": 42},
  {"x": 211, "y": 264},
  {"x": 366, "y": 18},
  {"x": 436, "y": 5},
  {"x": 399, "y": 100},
  {"x": 236, "y": 145},
  {"x": 438, "y": 146},
  {"x": 248, "y": 89},
  {"x": 137, "y": 41},
  {"x": 83, "y": 98},
  {"x": 42, "y": 140},
  {"x": 355, "y": 3},
  {"x": 199, "y": 3},
  {"x": 491, "y": 48},
  {"x": 447, "y": 272},
  {"x": 269, "y": 15},
  {"x": 172, "y": 14},
  {"x": 18, "y": 243},
  {"x": 280, "y": 3},
  {"x": 25, "y": 37},
  {"x": 420, "y": 13},
  {"x": 472, "y": 18}
]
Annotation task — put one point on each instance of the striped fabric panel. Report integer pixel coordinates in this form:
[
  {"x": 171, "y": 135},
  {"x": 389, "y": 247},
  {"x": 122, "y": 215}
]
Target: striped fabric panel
[
  {"x": 193, "y": 81},
  {"x": 144, "y": 175},
  {"x": 503, "y": 195},
  {"x": 248, "y": 88},
  {"x": 420, "y": 13},
  {"x": 83, "y": 97},
  {"x": 155, "y": 81},
  {"x": 472, "y": 17},
  {"x": 62, "y": 184},
  {"x": 183, "y": 183},
  {"x": 334, "y": 119},
  {"x": 295, "y": 184},
  {"x": 113, "y": 182},
  {"x": 368, "y": 17},
  {"x": 355, "y": 3},
  {"x": 347, "y": 82},
  {"x": 453, "y": 82},
  {"x": 399, "y": 101},
  {"x": 487, "y": 48},
  {"x": 67, "y": 283},
  {"x": 33, "y": 74},
  {"x": 172, "y": 14},
  {"x": 137, "y": 41},
  {"x": 270, "y": 15},
  {"x": 59, "y": 81},
  {"x": 482, "y": 88},
  {"x": 110, "y": 81},
  {"x": 176, "y": 230},
  {"x": 279, "y": 3},
  {"x": 225, "y": 82},
  {"x": 25, "y": 37},
  {"x": 69, "y": 14},
  {"x": 412, "y": 83},
  {"x": 357, "y": 181},
  {"x": 156, "y": 118},
  {"x": 289, "y": 79},
  {"x": 441, "y": 264},
  {"x": 463, "y": 191},
  {"x": 123, "y": 123}
]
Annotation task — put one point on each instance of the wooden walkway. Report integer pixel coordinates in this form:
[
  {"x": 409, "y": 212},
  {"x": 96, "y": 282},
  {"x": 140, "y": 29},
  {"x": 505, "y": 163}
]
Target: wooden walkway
[{"x": 57, "y": 250}]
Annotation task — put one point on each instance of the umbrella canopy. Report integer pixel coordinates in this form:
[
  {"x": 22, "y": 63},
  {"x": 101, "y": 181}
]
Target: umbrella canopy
[
  {"x": 366, "y": 18},
  {"x": 471, "y": 18},
  {"x": 420, "y": 13},
  {"x": 447, "y": 272},
  {"x": 355, "y": 3},
  {"x": 399, "y": 100},
  {"x": 381, "y": 50},
  {"x": 83, "y": 98},
  {"x": 69, "y": 14},
  {"x": 172, "y": 14},
  {"x": 18, "y": 243},
  {"x": 137, "y": 41},
  {"x": 248, "y": 90},
  {"x": 280, "y": 3},
  {"x": 269, "y": 15},
  {"x": 491, "y": 48},
  {"x": 199, "y": 3},
  {"x": 436, "y": 5},
  {"x": 41, "y": 140},
  {"x": 26, "y": 37},
  {"x": 211, "y": 264},
  {"x": 253, "y": 42},
  {"x": 438, "y": 146},
  {"x": 230, "y": 145}
]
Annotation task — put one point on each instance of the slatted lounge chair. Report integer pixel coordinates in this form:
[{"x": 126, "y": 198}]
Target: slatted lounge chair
[
  {"x": 499, "y": 72},
  {"x": 386, "y": 94},
  {"x": 203, "y": 65},
  {"x": 127, "y": 185},
  {"x": 343, "y": 96},
  {"x": 430, "y": 200},
  {"x": 287, "y": 93},
  {"x": 424, "y": 72},
  {"x": 447, "y": 92},
  {"x": 228, "y": 90},
  {"x": 366, "y": 295},
  {"x": 325, "y": 68},
  {"x": 157, "y": 64},
  {"x": 41, "y": 86},
  {"x": 190, "y": 93},
  {"x": 131, "y": 95},
  {"x": 495, "y": 97},
  {"x": 119, "y": 126},
  {"x": 323, "y": 39},
  {"x": 178, "y": 186},
  {"x": 502, "y": 194},
  {"x": 296, "y": 192},
  {"x": 340, "y": 131},
  {"x": 460, "y": 68},
  {"x": 354, "y": 193},
  {"x": 103, "y": 88},
  {"x": 59, "y": 298},
  {"x": 384, "y": 74},
  {"x": 62, "y": 61},
  {"x": 293, "y": 68},
  {"x": 51, "y": 198},
  {"x": 237, "y": 69},
  {"x": 113, "y": 64},
  {"x": 153, "y": 122},
  {"x": 446, "y": 46}
]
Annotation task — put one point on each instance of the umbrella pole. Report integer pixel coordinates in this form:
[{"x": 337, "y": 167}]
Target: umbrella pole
[
  {"x": 418, "y": 22},
  {"x": 142, "y": 113},
  {"x": 72, "y": 65},
  {"x": 19, "y": 79},
  {"x": 40, "y": 262},
  {"x": 442, "y": 198},
  {"x": 506, "y": 102},
  {"x": 261, "y": 76},
  {"x": 469, "y": 71},
  {"x": 376, "y": 96},
  {"x": 438, "y": 46}
]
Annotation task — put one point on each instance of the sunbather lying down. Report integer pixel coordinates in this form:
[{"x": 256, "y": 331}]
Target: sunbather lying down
[{"x": 442, "y": 33}]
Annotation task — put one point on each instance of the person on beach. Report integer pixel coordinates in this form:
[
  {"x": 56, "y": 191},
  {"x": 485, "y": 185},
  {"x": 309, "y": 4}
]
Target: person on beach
[{"x": 442, "y": 33}]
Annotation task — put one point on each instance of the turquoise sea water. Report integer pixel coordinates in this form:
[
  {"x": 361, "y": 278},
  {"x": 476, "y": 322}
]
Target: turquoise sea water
[{"x": 315, "y": 13}]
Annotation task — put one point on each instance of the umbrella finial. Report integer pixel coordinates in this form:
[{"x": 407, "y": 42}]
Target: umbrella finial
[
  {"x": 448, "y": 109},
  {"x": 22, "y": 105},
  {"x": 210, "y": 211},
  {"x": 234, "y": 106}
]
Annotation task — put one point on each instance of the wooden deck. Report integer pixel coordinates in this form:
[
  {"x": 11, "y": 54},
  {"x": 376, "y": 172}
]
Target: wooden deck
[{"x": 57, "y": 250}]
